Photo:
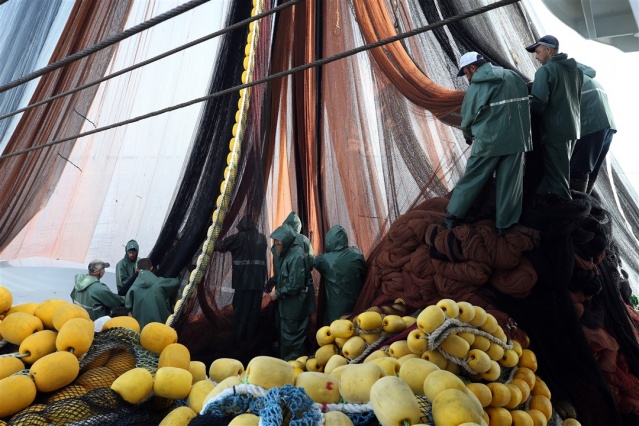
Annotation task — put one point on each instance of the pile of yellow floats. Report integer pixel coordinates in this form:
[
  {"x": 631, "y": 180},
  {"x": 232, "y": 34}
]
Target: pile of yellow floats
[{"x": 456, "y": 367}]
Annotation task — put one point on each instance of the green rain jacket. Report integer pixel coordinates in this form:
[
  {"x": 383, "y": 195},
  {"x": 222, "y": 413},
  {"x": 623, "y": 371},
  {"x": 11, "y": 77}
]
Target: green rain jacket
[
  {"x": 294, "y": 289},
  {"x": 556, "y": 94},
  {"x": 125, "y": 269},
  {"x": 496, "y": 113},
  {"x": 94, "y": 296},
  {"x": 595, "y": 111},
  {"x": 343, "y": 269},
  {"x": 148, "y": 297},
  {"x": 295, "y": 223}
]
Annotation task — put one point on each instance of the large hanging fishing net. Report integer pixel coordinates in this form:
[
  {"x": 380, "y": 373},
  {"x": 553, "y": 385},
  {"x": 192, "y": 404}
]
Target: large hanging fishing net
[{"x": 369, "y": 142}]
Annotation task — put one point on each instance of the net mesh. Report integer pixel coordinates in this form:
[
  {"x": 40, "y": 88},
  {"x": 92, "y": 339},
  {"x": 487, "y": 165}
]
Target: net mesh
[{"x": 369, "y": 142}]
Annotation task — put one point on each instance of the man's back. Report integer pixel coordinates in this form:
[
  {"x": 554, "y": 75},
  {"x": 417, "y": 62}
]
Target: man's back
[
  {"x": 495, "y": 112},
  {"x": 556, "y": 95},
  {"x": 94, "y": 296},
  {"x": 148, "y": 297}
]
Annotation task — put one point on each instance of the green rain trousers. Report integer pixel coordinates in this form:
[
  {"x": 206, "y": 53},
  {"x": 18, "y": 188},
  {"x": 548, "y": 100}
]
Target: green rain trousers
[{"x": 479, "y": 170}]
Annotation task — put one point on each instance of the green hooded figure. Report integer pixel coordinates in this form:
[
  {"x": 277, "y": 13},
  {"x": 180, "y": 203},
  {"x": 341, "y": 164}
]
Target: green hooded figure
[
  {"x": 295, "y": 294},
  {"x": 294, "y": 221},
  {"x": 126, "y": 268},
  {"x": 343, "y": 269},
  {"x": 92, "y": 294}
]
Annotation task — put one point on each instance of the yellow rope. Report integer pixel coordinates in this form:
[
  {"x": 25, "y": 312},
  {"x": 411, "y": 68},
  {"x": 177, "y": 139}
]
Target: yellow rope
[{"x": 226, "y": 188}]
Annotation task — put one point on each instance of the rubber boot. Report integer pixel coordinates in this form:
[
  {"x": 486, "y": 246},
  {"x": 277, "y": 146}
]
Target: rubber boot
[{"x": 450, "y": 221}]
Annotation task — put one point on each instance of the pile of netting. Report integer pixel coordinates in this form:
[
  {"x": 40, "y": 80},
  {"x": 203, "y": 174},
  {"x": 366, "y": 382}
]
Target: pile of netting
[{"x": 89, "y": 400}]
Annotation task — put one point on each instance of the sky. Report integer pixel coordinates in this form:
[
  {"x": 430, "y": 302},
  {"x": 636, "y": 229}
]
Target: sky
[{"x": 616, "y": 71}]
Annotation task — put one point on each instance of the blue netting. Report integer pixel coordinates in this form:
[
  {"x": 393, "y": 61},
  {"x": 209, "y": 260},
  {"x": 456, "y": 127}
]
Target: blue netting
[{"x": 279, "y": 402}]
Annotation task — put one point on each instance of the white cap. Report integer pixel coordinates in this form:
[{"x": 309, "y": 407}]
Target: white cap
[{"x": 467, "y": 59}]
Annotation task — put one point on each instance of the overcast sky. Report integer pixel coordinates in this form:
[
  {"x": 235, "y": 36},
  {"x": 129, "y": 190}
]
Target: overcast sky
[{"x": 617, "y": 72}]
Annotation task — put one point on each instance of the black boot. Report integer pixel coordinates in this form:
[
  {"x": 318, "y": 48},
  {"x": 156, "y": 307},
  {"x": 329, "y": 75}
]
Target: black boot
[
  {"x": 591, "y": 184},
  {"x": 450, "y": 221}
]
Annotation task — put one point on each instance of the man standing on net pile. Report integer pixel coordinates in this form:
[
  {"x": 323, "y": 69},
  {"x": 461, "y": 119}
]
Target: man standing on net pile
[
  {"x": 248, "y": 250},
  {"x": 343, "y": 269},
  {"x": 149, "y": 296},
  {"x": 92, "y": 294},
  {"x": 555, "y": 98},
  {"x": 126, "y": 269},
  {"x": 294, "y": 294},
  {"x": 597, "y": 129},
  {"x": 496, "y": 122}
]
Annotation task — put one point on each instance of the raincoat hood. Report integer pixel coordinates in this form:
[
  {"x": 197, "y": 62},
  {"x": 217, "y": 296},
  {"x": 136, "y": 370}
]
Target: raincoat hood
[
  {"x": 336, "y": 238},
  {"x": 294, "y": 221},
  {"x": 488, "y": 72},
  {"x": 286, "y": 235},
  {"x": 563, "y": 60},
  {"x": 245, "y": 224},
  {"x": 589, "y": 71},
  {"x": 145, "y": 279},
  {"x": 131, "y": 245},
  {"x": 83, "y": 281}
]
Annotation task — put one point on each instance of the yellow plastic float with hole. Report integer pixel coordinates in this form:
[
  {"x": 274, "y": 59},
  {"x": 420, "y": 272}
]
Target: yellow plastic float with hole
[
  {"x": 66, "y": 312},
  {"x": 394, "y": 403},
  {"x": 198, "y": 371},
  {"x": 123, "y": 322},
  {"x": 342, "y": 328},
  {"x": 75, "y": 336},
  {"x": 439, "y": 380},
  {"x": 430, "y": 318},
  {"x": 455, "y": 346},
  {"x": 18, "y": 326},
  {"x": 53, "y": 371},
  {"x": 16, "y": 393},
  {"x": 452, "y": 407},
  {"x": 398, "y": 349},
  {"x": 356, "y": 381},
  {"x": 222, "y": 368},
  {"x": 10, "y": 365},
  {"x": 320, "y": 387},
  {"x": 324, "y": 353},
  {"x": 198, "y": 393},
  {"x": 369, "y": 320},
  {"x": 6, "y": 299},
  {"x": 175, "y": 355},
  {"x": 334, "y": 362},
  {"x": 354, "y": 347},
  {"x": 38, "y": 345},
  {"x": 324, "y": 336},
  {"x": 269, "y": 372},
  {"x": 450, "y": 307},
  {"x": 28, "y": 307},
  {"x": 46, "y": 309},
  {"x": 178, "y": 417},
  {"x": 393, "y": 324},
  {"x": 414, "y": 371},
  {"x": 172, "y": 382},
  {"x": 155, "y": 336}
]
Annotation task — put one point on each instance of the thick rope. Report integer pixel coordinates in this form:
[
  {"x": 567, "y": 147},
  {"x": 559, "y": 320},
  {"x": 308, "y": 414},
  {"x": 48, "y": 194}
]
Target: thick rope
[
  {"x": 155, "y": 58},
  {"x": 276, "y": 76}
]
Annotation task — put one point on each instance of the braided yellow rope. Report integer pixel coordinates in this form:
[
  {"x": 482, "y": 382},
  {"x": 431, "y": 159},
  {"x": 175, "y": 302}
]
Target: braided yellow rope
[{"x": 226, "y": 188}]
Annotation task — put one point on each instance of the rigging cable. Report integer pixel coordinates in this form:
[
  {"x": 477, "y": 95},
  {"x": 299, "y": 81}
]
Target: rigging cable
[
  {"x": 104, "y": 43},
  {"x": 153, "y": 59},
  {"x": 275, "y": 76}
]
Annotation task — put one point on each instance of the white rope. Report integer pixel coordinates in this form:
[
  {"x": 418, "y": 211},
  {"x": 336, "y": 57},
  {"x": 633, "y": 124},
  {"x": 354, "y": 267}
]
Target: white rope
[{"x": 345, "y": 408}]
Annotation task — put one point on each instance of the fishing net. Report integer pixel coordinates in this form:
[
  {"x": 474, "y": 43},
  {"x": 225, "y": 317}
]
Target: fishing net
[
  {"x": 369, "y": 142},
  {"x": 89, "y": 400}
]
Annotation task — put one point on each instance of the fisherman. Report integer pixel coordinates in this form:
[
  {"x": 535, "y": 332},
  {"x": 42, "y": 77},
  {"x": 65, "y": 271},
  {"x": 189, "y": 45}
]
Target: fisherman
[
  {"x": 496, "y": 122},
  {"x": 92, "y": 294},
  {"x": 294, "y": 221},
  {"x": 343, "y": 269},
  {"x": 555, "y": 98},
  {"x": 294, "y": 294},
  {"x": 126, "y": 269},
  {"x": 248, "y": 250},
  {"x": 597, "y": 129},
  {"x": 148, "y": 298}
]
